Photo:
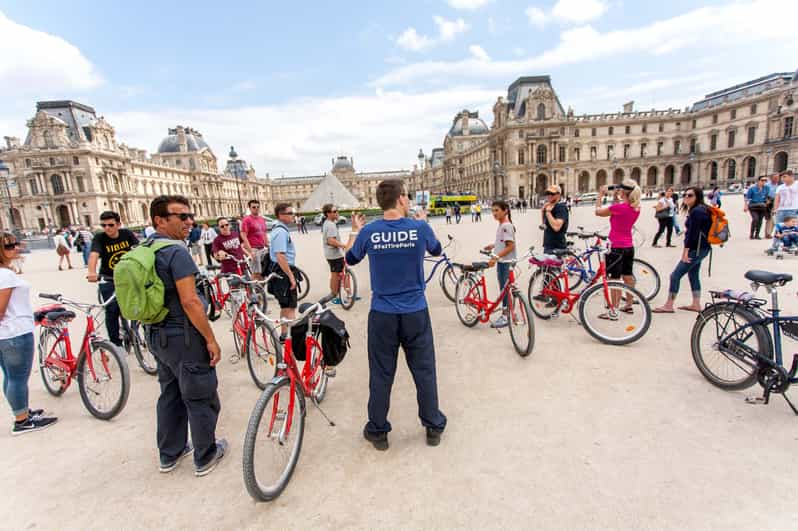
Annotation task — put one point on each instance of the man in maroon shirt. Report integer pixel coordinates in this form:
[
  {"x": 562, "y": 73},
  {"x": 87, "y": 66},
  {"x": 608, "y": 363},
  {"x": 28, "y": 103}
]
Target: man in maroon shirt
[
  {"x": 254, "y": 237},
  {"x": 227, "y": 244}
]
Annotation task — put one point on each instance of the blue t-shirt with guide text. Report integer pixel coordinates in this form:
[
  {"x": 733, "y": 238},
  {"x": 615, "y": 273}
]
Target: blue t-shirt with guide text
[{"x": 396, "y": 251}]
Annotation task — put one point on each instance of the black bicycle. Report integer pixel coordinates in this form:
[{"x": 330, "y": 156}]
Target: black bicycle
[{"x": 736, "y": 341}]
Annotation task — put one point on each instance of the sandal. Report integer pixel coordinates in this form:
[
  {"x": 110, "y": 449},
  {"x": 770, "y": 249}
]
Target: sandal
[
  {"x": 662, "y": 310},
  {"x": 609, "y": 316},
  {"x": 627, "y": 309},
  {"x": 689, "y": 309}
]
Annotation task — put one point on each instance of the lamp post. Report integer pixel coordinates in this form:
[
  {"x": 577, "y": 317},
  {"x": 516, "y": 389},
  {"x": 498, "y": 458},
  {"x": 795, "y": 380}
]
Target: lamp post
[
  {"x": 4, "y": 175},
  {"x": 421, "y": 179},
  {"x": 237, "y": 175}
]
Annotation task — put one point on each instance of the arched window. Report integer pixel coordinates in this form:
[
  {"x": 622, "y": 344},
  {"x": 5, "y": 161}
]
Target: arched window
[
  {"x": 541, "y": 111},
  {"x": 115, "y": 182},
  {"x": 541, "y": 154},
  {"x": 520, "y": 156},
  {"x": 57, "y": 183},
  {"x": 751, "y": 167},
  {"x": 732, "y": 170}
]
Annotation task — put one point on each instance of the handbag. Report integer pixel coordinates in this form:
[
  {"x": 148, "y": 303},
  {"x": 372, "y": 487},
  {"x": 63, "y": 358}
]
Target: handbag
[{"x": 663, "y": 214}]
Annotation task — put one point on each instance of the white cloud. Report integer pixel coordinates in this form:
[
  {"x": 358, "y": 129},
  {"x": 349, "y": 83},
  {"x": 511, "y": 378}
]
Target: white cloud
[
  {"x": 536, "y": 16},
  {"x": 382, "y": 131},
  {"x": 478, "y": 52},
  {"x": 34, "y": 63},
  {"x": 244, "y": 86},
  {"x": 469, "y": 5},
  {"x": 578, "y": 11},
  {"x": 519, "y": 52},
  {"x": 449, "y": 29},
  {"x": 411, "y": 40},
  {"x": 703, "y": 30}
]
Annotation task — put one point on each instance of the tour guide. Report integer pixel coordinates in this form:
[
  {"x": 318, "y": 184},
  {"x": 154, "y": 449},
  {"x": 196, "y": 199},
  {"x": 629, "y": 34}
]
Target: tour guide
[{"x": 395, "y": 246}]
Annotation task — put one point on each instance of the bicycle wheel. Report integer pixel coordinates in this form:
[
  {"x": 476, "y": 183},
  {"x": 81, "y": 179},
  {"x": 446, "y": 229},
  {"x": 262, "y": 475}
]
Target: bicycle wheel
[
  {"x": 302, "y": 286},
  {"x": 467, "y": 312},
  {"x": 618, "y": 317},
  {"x": 318, "y": 376},
  {"x": 141, "y": 349},
  {"x": 541, "y": 283},
  {"x": 259, "y": 293},
  {"x": 273, "y": 440},
  {"x": 263, "y": 353},
  {"x": 448, "y": 281},
  {"x": 54, "y": 378},
  {"x": 732, "y": 366},
  {"x": 577, "y": 270},
  {"x": 105, "y": 391},
  {"x": 647, "y": 279},
  {"x": 347, "y": 291},
  {"x": 522, "y": 328}
]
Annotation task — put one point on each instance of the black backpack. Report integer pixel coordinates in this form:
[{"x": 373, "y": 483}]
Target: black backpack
[{"x": 334, "y": 338}]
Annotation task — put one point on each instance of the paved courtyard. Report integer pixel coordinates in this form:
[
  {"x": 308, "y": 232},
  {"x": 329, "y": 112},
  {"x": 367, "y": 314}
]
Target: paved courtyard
[{"x": 579, "y": 435}]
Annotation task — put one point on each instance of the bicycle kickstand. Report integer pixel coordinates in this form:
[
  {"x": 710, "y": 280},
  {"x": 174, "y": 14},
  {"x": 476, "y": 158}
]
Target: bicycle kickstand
[
  {"x": 790, "y": 403},
  {"x": 323, "y": 414}
]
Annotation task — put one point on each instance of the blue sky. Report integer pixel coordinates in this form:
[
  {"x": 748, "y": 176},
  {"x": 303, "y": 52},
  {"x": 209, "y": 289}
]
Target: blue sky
[{"x": 293, "y": 84}]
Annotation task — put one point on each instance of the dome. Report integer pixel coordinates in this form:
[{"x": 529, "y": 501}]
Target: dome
[
  {"x": 476, "y": 126},
  {"x": 342, "y": 164},
  {"x": 171, "y": 144}
]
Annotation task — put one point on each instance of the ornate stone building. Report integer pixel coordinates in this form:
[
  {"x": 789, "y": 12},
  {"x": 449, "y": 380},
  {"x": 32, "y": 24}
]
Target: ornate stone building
[
  {"x": 731, "y": 136},
  {"x": 71, "y": 167}
]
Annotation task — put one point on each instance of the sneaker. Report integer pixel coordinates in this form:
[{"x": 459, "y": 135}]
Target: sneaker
[
  {"x": 336, "y": 300},
  {"x": 330, "y": 372},
  {"x": 204, "y": 470},
  {"x": 433, "y": 437},
  {"x": 31, "y": 424},
  {"x": 168, "y": 466},
  {"x": 35, "y": 412},
  {"x": 379, "y": 440},
  {"x": 769, "y": 252},
  {"x": 611, "y": 315},
  {"x": 501, "y": 322}
]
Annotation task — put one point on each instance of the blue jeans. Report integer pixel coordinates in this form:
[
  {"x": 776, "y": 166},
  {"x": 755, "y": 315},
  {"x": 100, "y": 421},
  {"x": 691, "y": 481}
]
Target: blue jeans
[
  {"x": 16, "y": 358},
  {"x": 781, "y": 214},
  {"x": 692, "y": 270},
  {"x": 788, "y": 240},
  {"x": 86, "y": 253},
  {"x": 503, "y": 272}
]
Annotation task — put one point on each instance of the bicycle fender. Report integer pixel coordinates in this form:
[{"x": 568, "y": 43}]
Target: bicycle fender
[{"x": 279, "y": 379}]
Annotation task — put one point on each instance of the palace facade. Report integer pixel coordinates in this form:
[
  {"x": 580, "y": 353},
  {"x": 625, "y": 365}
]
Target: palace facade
[
  {"x": 731, "y": 136},
  {"x": 71, "y": 167}
]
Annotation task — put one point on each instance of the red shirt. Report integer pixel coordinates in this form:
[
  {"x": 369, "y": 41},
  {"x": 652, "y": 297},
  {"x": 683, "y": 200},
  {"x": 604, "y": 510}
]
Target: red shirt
[
  {"x": 255, "y": 230},
  {"x": 231, "y": 244}
]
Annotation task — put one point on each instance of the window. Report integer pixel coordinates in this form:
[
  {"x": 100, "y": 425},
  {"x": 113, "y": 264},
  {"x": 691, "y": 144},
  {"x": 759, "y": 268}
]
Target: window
[
  {"x": 610, "y": 151},
  {"x": 58, "y": 184},
  {"x": 677, "y": 147},
  {"x": 97, "y": 161},
  {"x": 81, "y": 187},
  {"x": 34, "y": 187},
  {"x": 713, "y": 142},
  {"x": 52, "y": 161},
  {"x": 611, "y": 131},
  {"x": 577, "y": 154},
  {"x": 562, "y": 131},
  {"x": 643, "y": 147},
  {"x": 593, "y": 153},
  {"x": 734, "y": 114},
  {"x": 178, "y": 162},
  {"x": 541, "y": 111},
  {"x": 678, "y": 126},
  {"x": 731, "y": 139},
  {"x": 541, "y": 132},
  {"x": 661, "y": 127},
  {"x": 751, "y": 135},
  {"x": 562, "y": 153},
  {"x": 660, "y": 146},
  {"x": 788, "y": 126},
  {"x": 692, "y": 145},
  {"x": 27, "y": 163},
  {"x": 520, "y": 134},
  {"x": 520, "y": 156},
  {"x": 576, "y": 132},
  {"x": 695, "y": 124},
  {"x": 626, "y": 149},
  {"x": 714, "y": 118},
  {"x": 593, "y": 132},
  {"x": 753, "y": 109},
  {"x": 628, "y": 129},
  {"x": 645, "y": 128},
  {"x": 541, "y": 154}
]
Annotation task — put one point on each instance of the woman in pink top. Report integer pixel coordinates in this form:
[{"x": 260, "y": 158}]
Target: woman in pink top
[{"x": 623, "y": 216}]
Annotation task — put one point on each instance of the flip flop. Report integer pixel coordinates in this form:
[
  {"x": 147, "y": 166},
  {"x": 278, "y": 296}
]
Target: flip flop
[
  {"x": 688, "y": 309},
  {"x": 662, "y": 310},
  {"x": 627, "y": 309}
]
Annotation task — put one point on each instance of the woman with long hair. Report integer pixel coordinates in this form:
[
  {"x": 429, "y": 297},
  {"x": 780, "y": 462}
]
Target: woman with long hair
[
  {"x": 504, "y": 251},
  {"x": 623, "y": 215},
  {"x": 16, "y": 340},
  {"x": 63, "y": 247},
  {"x": 664, "y": 212},
  {"x": 696, "y": 248}
]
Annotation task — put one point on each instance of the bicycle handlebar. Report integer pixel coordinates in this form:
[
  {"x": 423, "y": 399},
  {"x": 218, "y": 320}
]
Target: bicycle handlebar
[{"x": 317, "y": 307}]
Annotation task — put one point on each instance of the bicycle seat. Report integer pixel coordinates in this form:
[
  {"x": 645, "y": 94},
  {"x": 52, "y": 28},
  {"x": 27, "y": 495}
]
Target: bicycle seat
[
  {"x": 560, "y": 252},
  {"x": 475, "y": 266},
  {"x": 41, "y": 314},
  {"x": 213, "y": 267},
  {"x": 545, "y": 260},
  {"x": 571, "y": 234},
  {"x": 767, "y": 278},
  {"x": 58, "y": 315},
  {"x": 234, "y": 282}
]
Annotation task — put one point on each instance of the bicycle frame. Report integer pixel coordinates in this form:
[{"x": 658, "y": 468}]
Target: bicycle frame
[
  {"x": 69, "y": 364},
  {"x": 485, "y": 306},
  {"x": 567, "y": 294},
  {"x": 437, "y": 260}
]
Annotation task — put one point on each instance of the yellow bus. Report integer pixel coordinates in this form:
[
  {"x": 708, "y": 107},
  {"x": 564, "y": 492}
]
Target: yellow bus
[{"x": 438, "y": 203}]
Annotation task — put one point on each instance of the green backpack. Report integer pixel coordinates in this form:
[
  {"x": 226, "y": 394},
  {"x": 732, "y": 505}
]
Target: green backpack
[{"x": 139, "y": 289}]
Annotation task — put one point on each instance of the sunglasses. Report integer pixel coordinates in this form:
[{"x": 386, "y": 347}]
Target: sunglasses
[
  {"x": 223, "y": 226},
  {"x": 333, "y": 211},
  {"x": 184, "y": 216},
  {"x": 107, "y": 225},
  {"x": 255, "y": 206},
  {"x": 287, "y": 213},
  {"x": 689, "y": 195},
  {"x": 10, "y": 246}
]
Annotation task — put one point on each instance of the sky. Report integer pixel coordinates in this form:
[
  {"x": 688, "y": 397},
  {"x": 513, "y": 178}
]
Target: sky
[{"x": 292, "y": 85}]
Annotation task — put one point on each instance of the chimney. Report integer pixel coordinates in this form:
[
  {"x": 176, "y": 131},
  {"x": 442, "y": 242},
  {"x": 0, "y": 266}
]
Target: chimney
[
  {"x": 181, "y": 139},
  {"x": 465, "y": 123},
  {"x": 629, "y": 106}
]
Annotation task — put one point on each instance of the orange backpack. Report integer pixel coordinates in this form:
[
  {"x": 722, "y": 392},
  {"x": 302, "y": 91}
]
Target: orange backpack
[{"x": 719, "y": 229}]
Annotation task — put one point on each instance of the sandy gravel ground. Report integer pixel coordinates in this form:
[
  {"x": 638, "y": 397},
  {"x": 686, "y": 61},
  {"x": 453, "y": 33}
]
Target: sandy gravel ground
[{"x": 579, "y": 435}]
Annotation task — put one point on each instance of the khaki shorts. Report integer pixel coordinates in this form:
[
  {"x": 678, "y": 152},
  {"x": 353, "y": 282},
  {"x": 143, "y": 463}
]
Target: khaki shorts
[{"x": 256, "y": 262}]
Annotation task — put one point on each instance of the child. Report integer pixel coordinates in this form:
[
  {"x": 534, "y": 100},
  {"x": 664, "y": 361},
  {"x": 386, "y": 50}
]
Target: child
[
  {"x": 503, "y": 251},
  {"x": 785, "y": 234}
]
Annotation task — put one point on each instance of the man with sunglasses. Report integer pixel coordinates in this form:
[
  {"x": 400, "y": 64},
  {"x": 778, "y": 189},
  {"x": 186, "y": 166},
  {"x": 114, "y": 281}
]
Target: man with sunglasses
[
  {"x": 226, "y": 246},
  {"x": 555, "y": 220},
  {"x": 108, "y": 247},
  {"x": 333, "y": 247},
  {"x": 282, "y": 253},
  {"x": 254, "y": 236},
  {"x": 186, "y": 349}
]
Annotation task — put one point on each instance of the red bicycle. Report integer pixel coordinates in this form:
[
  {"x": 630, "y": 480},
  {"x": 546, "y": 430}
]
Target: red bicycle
[
  {"x": 473, "y": 306},
  {"x": 277, "y": 424},
  {"x": 100, "y": 368},
  {"x": 244, "y": 295},
  {"x": 347, "y": 288},
  {"x": 217, "y": 290},
  {"x": 610, "y": 311}
]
